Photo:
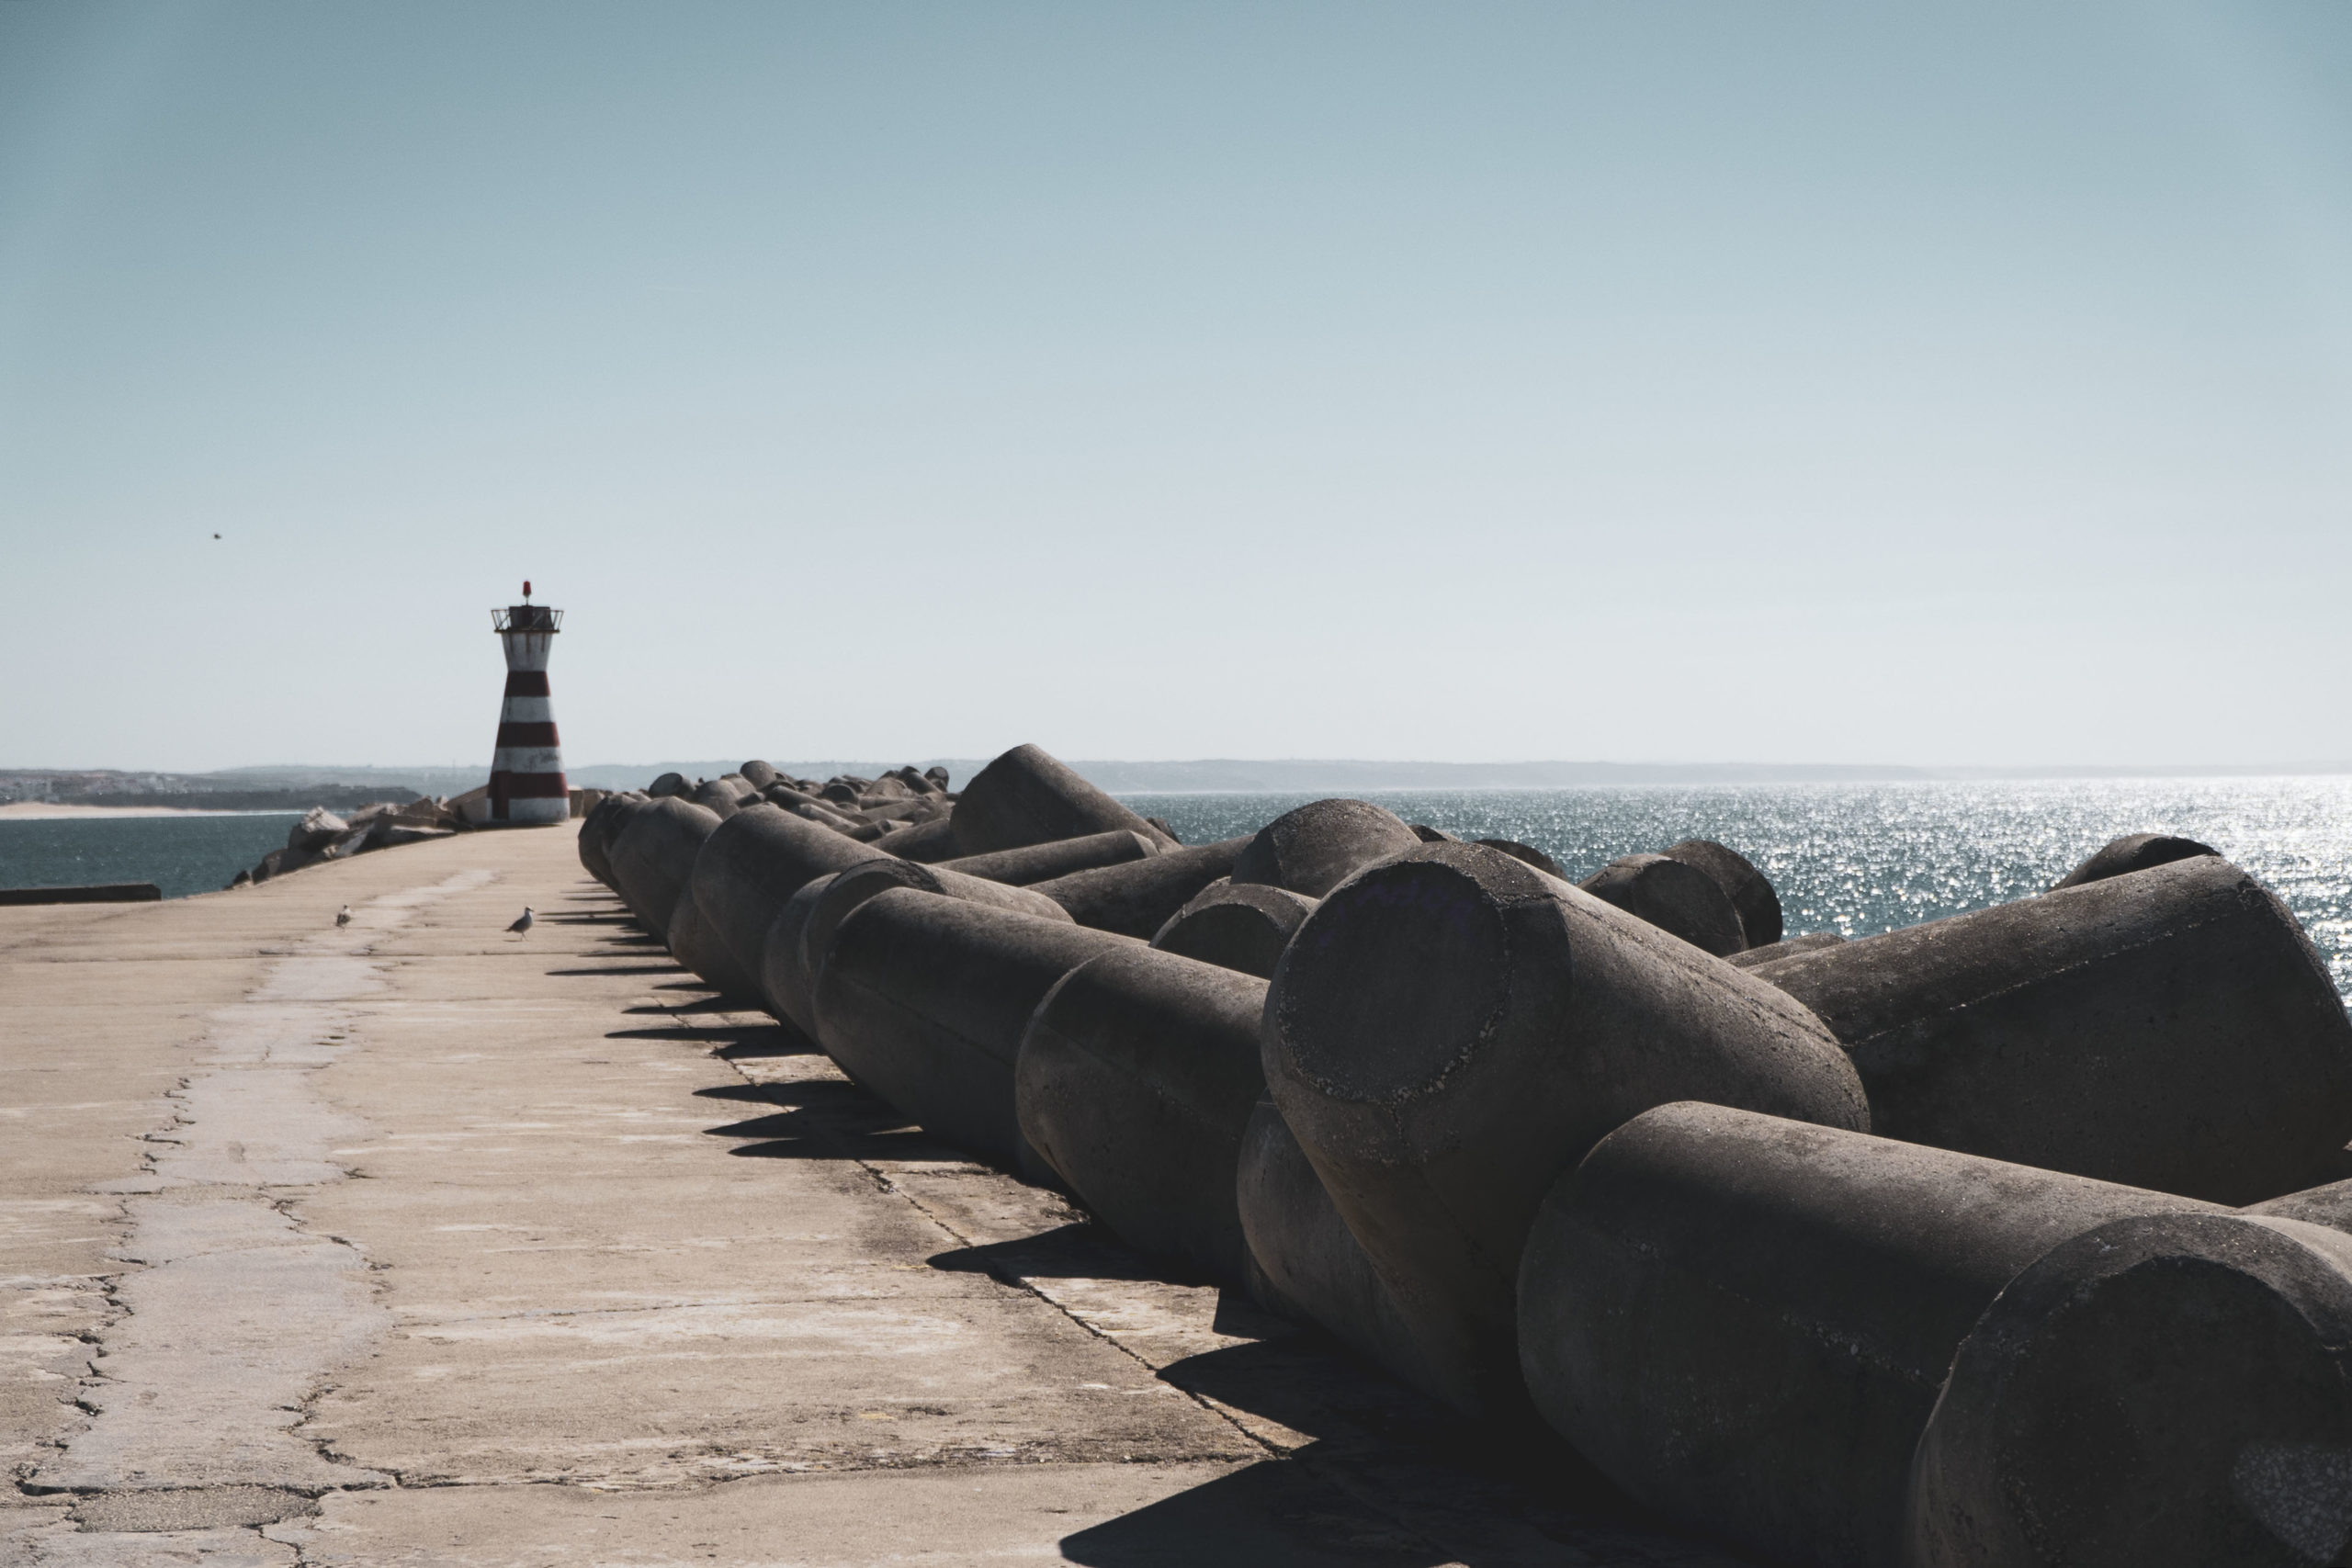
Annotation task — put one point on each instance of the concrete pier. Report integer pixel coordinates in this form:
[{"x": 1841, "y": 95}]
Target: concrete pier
[{"x": 414, "y": 1241}]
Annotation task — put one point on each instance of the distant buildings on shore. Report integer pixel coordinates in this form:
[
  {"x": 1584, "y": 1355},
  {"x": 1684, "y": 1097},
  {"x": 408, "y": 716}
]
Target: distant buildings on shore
[{"x": 220, "y": 792}]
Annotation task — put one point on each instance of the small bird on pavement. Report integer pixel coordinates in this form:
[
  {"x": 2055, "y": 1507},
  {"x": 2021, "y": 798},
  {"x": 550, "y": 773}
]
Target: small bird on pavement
[
  {"x": 524, "y": 923},
  {"x": 342, "y": 916}
]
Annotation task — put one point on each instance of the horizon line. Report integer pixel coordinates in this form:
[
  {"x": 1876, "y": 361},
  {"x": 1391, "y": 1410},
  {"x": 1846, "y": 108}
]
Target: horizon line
[{"x": 2189, "y": 769}]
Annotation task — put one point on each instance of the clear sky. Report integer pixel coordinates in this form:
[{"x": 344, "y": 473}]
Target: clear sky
[{"x": 1639, "y": 381}]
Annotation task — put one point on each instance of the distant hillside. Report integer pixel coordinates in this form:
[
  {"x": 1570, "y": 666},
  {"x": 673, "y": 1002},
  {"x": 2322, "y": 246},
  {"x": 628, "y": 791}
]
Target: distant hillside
[
  {"x": 212, "y": 793},
  {"x": 443, "y": 780},
  {"x": 335, "y": 797}
]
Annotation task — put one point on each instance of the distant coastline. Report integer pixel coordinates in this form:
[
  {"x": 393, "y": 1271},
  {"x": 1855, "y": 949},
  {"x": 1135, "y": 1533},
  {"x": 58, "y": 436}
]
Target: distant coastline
[
  {"x": 47, "y": 810},
  {"x": 1296, "y": 775},
  {"x": 280, "y": 788}
]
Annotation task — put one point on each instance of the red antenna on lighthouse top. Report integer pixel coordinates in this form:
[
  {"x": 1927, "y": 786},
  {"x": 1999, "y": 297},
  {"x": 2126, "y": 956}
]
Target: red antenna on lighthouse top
[{"x": 526, "y": 588}]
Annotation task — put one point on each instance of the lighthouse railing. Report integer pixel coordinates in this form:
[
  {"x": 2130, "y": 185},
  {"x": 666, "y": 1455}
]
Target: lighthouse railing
[{"x": 527, "y": 618}]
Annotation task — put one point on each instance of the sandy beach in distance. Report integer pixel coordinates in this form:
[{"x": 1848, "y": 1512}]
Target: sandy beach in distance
[{"x": 38, "y": 810}]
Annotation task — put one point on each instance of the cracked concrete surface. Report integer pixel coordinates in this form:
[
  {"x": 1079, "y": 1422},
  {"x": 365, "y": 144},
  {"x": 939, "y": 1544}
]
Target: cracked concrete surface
[
  {"x": 420, "y": 1243},
  {"x": 201, "y": 1377},
  {"x": 237, "y": 1312}
]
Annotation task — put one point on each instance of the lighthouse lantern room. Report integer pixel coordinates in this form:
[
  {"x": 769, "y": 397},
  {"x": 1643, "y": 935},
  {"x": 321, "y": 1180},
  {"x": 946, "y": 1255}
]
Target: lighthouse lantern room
[{"x": 527, "y": 784}]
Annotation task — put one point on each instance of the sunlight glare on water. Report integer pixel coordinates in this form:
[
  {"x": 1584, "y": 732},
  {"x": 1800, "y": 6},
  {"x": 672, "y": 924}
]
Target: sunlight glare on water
[{"x": 1859, "y": 858}]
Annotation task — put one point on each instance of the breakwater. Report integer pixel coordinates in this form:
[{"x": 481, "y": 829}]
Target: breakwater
[{"x": 1907, "y": 1225}]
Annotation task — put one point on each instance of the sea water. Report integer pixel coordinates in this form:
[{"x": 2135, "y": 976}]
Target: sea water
[
  {"x": 1859, "y": 859},
  {"x": 179, "y": 854}
]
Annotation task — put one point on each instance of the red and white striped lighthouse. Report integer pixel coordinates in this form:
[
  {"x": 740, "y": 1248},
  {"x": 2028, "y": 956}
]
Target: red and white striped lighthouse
[{"x": 527, "y": 784}]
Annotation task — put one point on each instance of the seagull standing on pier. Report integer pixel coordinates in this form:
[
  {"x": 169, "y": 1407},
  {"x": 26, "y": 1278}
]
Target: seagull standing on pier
[
  {"x": 524, "y": 923},
  {"x": 342, "y": 916}
]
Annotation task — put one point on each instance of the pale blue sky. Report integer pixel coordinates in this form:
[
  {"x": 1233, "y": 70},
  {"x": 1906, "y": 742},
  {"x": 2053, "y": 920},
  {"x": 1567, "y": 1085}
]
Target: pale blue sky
[{"x": 1660, "y": 382}]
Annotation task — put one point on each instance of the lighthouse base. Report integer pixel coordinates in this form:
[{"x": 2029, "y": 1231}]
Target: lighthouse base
[
  {"x": 492, "y": 807},
  {"x": 532, "y": 811}
]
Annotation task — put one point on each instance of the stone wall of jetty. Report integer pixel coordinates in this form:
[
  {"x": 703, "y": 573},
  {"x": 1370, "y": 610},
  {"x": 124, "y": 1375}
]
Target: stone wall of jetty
[{"x": 322, "y": 835}]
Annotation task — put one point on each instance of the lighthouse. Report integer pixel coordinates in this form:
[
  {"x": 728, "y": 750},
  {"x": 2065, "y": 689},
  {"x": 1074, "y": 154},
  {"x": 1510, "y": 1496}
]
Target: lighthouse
[{"x": 527, "y": 786}]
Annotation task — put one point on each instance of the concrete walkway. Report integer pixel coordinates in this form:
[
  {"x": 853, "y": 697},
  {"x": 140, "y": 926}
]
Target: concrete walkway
[{"x": 414, "y": 1242}]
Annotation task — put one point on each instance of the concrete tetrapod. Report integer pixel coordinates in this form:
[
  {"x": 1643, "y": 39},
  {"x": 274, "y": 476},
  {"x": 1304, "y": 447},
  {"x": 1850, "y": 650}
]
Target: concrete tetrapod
[
  {"x": 1033, "y": 863},
  {"x": 1136, "y": 1078},
  {"x": 2329, "y": 1205},
  {"x": 723, "y": 796},
  {"x": 2170, "y": 1028},
  {"x": 1315, "y": 848},
  {"x": 1237, "y": 925},
  {"x": 924, "y": 1000},
  {"x": 1749, "y": 890},
  {"x": 1673, "y": 897},
  {"x": 2169, "y": 1392},
  {"x": 1306, "y": 1265},
  {"x": 653, "y": 858},
  {"x": 783, "y": 976},
  {"x": 813, "y": 924},
  {"x": 817, "y": 811},
  {"x": 1027, "y": 797},
  {"x": 1787, "y": 947},
  {"x": 1519, "y": 851},
  {"x": 624, "y": 807},
  {"x": 759, "y": 774},
  {"x": 1138, "y": 899},
  {"x": 1451, "y": 1030},
  {"x": 603, "y": 824},
  {"x": 1745, "y": 1321},
  {"x": 693, "y": 942},
  {"x": 796, "y": 942},
  {"x": 783, "y": 793},
  {"x": 2134, "y": 851},
  {"x": 754, "y": 861},
  {"x": 588, "y": 844},
  {"x": 929, "y": 842}
]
